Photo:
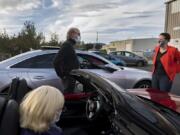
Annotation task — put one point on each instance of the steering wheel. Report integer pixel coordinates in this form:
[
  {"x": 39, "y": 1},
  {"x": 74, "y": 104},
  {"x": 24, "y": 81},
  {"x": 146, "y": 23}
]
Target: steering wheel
[{"x": 94, "y": 107}]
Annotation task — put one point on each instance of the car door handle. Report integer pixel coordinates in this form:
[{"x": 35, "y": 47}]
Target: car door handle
[{"x": 39, "y": 77}]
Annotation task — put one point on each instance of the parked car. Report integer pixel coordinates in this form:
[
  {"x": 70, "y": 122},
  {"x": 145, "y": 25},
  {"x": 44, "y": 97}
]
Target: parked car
[
  {"x": 37, "y": 69},
  {"x": 130, "y": 58},
  {"x": 101, "y": 107},
  {"x": 148, "y": 54},
  {"x": 112, "y": 58}
]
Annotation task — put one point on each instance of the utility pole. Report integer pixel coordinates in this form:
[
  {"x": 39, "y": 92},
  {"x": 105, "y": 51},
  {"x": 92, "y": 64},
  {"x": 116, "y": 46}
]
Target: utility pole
[
  {"x": 94, "y": 47},
  {"x": 97, "y": 37}
]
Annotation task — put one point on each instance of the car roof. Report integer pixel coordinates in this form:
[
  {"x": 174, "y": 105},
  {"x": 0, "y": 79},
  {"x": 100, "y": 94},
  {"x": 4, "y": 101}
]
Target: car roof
[{"x": 33, "y": 53}]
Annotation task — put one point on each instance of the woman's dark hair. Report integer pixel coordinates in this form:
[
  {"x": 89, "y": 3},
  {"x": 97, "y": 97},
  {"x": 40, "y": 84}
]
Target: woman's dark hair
[{"x": 167, "y": 36}]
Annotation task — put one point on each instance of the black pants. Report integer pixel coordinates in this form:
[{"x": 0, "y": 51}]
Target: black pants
[
  {"x": 161, "y": 82},
  {"x": 69, "y": 84}
]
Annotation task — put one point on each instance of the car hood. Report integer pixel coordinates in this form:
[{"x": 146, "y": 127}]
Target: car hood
[
  {"x": 166, "y": 99},
  {"x": 116, "y": 70}
]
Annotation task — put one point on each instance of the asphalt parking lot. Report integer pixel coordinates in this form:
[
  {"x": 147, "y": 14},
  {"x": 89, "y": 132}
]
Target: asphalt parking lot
[{"x": 176, "y": 84}]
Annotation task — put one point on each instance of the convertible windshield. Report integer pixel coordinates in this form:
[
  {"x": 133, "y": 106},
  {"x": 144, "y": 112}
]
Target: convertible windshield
[
  {"x": 144, "y": 110},
  {"x": 168, "y": 113}
]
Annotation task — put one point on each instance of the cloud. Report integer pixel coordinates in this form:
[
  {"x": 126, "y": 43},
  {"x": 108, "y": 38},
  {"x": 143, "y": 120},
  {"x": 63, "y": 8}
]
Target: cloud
[
  {"x": 18, "y": 5},
  {"x": 113, "y": 20}
]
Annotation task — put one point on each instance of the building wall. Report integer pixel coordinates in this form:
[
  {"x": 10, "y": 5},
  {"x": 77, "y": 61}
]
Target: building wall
[
  {"x": 120, "y": 45},
  {"x": 129, "y": 45},
  {"x": 141, "y": 45},
  {"x": 115, "y": 46},
  {"x": 172, "y": 21},
  {"x": 132, "y": 45},
  {"x": 176, "y": 42}
]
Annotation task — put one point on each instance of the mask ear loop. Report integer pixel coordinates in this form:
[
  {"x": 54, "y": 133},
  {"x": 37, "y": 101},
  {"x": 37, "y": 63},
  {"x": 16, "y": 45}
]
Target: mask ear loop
[{"x": 57, "y": 116}]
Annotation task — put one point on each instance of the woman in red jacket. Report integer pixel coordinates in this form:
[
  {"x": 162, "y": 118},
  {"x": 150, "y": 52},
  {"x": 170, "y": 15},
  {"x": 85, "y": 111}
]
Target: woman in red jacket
[{"x": 165, "y": 62}]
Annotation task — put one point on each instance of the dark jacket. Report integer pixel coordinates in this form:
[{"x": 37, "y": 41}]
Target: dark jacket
[
  {"x": 66, "y": 59},
  {"x": 54, "y": 130}
]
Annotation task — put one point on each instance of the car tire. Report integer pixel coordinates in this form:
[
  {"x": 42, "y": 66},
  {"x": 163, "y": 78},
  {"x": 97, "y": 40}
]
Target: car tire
[
  {"x": 143, "y": 84},
  {"x": 140, "y": 63}
]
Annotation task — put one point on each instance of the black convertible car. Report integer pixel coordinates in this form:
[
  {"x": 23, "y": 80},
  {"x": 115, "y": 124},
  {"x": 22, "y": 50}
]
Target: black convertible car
[{"x": 98, "y": 107}]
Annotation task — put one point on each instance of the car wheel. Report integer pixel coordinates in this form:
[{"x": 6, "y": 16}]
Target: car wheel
[
  {"x": 143, "y": 84},
  {"x": 140, "y": 64}
]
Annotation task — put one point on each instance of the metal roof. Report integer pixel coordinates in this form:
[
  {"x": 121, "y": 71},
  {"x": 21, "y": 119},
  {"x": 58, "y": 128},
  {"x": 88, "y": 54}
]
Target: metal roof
[{"x": 169, "y": 1}]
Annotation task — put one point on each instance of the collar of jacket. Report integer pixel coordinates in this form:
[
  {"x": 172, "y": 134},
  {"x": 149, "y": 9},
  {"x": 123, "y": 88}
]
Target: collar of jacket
[{"x": 158, "y": 47}]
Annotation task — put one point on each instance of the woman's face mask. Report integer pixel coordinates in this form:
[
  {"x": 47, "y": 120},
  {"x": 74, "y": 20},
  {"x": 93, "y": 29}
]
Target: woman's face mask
[{"x": 162, "y": 43}]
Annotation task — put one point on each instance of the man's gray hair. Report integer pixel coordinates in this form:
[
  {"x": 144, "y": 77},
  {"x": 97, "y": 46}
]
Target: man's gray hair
[{"x": 71, "y": 31}]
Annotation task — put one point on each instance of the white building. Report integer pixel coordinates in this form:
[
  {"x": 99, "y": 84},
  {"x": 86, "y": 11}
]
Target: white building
[
  {"x": 172, "y": 21},
  {"x": 132, "y": 45}
]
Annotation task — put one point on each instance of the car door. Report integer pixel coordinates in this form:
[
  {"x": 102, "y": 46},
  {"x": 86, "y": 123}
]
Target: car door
[
  {"x": 122, "y": 55},
  {"x": 131, "y": 58},
  {"x": 39, "y": 71}
]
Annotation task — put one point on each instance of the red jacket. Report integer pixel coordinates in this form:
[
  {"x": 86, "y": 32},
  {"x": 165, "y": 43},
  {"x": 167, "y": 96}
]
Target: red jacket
[{"x": 170, "y": 61}]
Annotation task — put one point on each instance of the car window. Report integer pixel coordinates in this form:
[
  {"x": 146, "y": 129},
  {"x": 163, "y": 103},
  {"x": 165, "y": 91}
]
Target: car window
[
  {"x": 132, "y": 54},
  {"x": 111, "y": 58},
  {"x": 113, "y": 53},
  {"x": 91, "y": 59},
  {"x": 41, "y": 61},
  {"x": 128, "y": 54},
  {"x": 105, "y": 56},
  {"x": 120, "y": 53}
]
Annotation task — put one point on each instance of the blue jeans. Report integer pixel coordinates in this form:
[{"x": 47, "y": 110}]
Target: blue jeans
[{"x": 161, "y": 82}]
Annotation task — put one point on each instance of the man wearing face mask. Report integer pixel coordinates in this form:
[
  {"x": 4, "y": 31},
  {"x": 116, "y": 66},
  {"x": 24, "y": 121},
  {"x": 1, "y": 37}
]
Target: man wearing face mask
[
  {"x": 66, "y": 60},
  {"x": 165, "y": 64}
]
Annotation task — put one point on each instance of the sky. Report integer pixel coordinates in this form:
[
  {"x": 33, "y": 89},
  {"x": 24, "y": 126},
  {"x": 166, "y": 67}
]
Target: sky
[{"x": 112, "y": 19}]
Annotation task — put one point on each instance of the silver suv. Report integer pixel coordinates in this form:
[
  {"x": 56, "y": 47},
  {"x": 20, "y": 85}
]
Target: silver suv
[{"x": 37, "y": 69}]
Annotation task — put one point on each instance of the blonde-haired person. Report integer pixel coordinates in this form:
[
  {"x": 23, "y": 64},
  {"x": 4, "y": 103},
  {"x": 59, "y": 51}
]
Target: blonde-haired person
[{"x": 39, "y": 111}]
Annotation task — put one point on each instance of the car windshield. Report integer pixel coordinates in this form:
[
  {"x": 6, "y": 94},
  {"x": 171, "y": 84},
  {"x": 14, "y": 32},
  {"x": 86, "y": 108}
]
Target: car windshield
[
  {"x": 169, "y": 113},
  {"x": 151, "y": 113}
]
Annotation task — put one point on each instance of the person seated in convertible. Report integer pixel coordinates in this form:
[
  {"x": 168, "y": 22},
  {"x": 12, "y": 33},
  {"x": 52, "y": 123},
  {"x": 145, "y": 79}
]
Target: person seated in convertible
[{"x": 40, "y": 110}]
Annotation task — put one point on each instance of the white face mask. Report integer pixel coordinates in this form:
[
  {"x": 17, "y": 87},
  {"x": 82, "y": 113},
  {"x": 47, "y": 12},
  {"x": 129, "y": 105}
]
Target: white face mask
[
  {"x": 57, "y": 116},
  {"x": 78, "y": 39}
]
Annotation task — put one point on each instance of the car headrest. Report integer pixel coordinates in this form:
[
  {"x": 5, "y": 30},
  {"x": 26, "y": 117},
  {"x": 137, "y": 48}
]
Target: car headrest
[
  {"x": 13, "y": 88},
  {"x": 9, "y": 121},
  {"x": 18, "y": 89},
  {"x": 2, "y": 106}
]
